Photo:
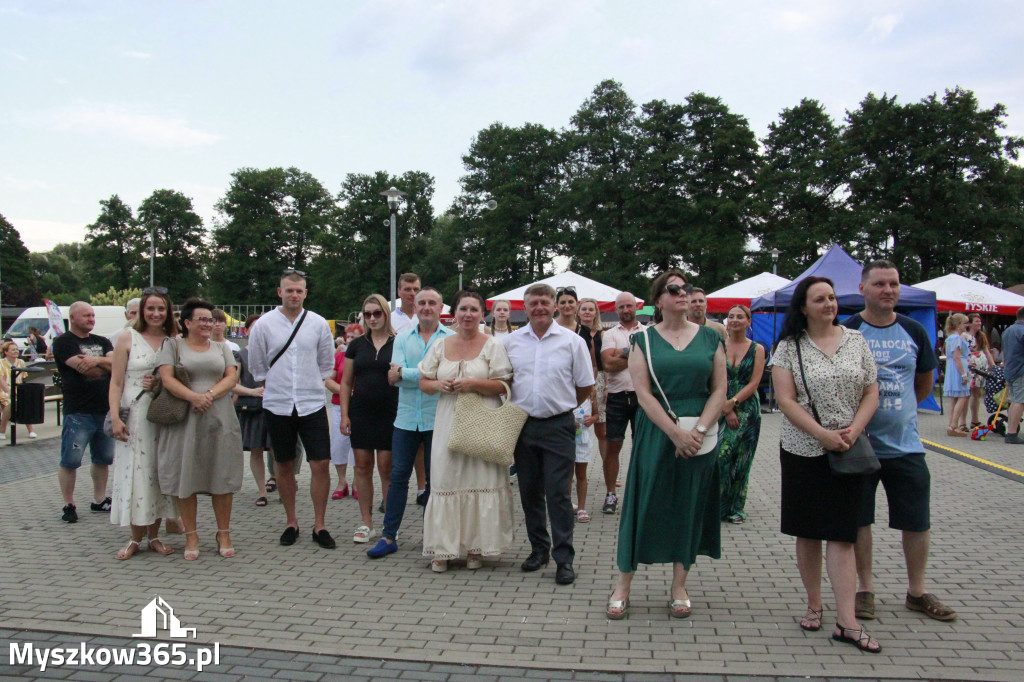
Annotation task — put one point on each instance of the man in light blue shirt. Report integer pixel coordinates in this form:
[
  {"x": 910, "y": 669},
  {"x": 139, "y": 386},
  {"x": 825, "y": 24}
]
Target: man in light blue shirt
[{"x": 414, "y": 423}]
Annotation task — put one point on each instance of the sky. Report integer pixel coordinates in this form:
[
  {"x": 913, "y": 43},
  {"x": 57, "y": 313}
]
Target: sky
[{"x": 126, "y": 97}]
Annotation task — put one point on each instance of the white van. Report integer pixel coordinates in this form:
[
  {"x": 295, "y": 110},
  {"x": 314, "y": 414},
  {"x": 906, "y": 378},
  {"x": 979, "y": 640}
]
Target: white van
[{"x": 109, "y": 319}]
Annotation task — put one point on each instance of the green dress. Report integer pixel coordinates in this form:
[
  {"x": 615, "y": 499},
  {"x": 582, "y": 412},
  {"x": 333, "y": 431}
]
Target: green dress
[
  {"x": 670, "y": 505},
  {"x": 736, "y": 446}
]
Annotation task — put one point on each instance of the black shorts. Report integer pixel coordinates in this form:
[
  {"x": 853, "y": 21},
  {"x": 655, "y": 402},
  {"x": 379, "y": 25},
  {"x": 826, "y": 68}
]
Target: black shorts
[
  {"x": 817, "y": 504},
  {"x": 313, "y": 429},
  {"x": 620, "y": 411},
  {"x": 907, "y": 484}
]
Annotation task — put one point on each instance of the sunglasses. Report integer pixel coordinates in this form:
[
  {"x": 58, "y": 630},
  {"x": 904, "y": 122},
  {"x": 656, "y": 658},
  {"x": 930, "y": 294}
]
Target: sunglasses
[
  {"x": 292, "y": 271},
  {"x": 565, "y": 290},
  {"x": 679, "y": 290},
  {"x": 374, "y": 314},
  {"x": 154, "y": 290}
]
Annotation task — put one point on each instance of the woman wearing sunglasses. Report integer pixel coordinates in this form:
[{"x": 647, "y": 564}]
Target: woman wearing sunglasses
[
  {"x": 671, "y": 502},
  {"x": 369, "y": 405}
]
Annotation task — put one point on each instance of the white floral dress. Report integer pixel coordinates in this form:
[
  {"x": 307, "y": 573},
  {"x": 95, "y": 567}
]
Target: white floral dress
[{"x": 136, "y": 495}]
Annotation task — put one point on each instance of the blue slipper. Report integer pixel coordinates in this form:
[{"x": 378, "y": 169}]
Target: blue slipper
[{"x": 382, "y": 549}]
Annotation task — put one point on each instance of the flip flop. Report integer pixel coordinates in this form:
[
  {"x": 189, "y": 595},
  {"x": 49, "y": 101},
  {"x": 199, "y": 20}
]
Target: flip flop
[
  {"x": 271, "y": 484},
  {"x": 261, "y": 501}
]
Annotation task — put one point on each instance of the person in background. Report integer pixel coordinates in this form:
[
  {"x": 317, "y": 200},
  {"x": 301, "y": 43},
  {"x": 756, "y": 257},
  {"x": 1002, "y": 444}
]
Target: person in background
[
  {"x": 957, "y": 383},
  {"x": 590, "y": 317},
  {"x": 404, "y": 316},
  {"x": 500, "y": 312},
  {"x": 697, "y": 312},
  {"x": 137, "y": 500},
  {"x": 342, "y": 455},
  {"x": 8, "y": 361},
  {"x": 131, "y": 312},
  {"x": 220, "y": 326},
  {"x": 37, "y": 347},
  {"x": 836, "y": 366},
  {"x": 248, "y": 397},
  {"x": 1013, "y": 368},
  {"x": 742, "y": 414}
]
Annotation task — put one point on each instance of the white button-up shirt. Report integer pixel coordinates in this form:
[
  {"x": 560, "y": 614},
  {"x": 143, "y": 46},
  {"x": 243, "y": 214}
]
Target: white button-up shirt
[
  {"x": 296, "y": 381},
  {"x": 400, "y": 321},
  {"x": 546, "y": 371},
  {"x": 618, "y": 338}
]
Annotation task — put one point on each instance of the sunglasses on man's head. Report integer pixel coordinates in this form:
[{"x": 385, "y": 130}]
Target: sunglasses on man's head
[
  {"x": 679, "y": 289},
  {"x": 373, "y": 313},
  {"x": 292, "y": 271},
  {"x": 154, "y": 290}
]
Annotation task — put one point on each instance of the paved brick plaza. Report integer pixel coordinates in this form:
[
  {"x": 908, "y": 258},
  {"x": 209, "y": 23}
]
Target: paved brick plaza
[{"x": 304, "y": 607}]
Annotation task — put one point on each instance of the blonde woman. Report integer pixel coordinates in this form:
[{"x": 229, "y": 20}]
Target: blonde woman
[
  {"x": 8, "y": 361},
  {"x": 958, "y": 380},
  {"x": 590, "y": 318},
  {"x": 501, "y": 310},
  {"x": 369, "y": 405}
]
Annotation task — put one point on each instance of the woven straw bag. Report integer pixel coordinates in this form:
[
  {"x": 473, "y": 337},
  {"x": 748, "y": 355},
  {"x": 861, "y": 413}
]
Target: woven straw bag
[{"x": 485, "y": 432}]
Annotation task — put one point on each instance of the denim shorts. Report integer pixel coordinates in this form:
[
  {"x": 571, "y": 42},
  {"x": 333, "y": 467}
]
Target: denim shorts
[{"x": 83, "y": 429}]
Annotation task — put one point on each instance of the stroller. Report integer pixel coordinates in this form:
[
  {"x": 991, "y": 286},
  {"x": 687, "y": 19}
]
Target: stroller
[{"x": 995, "y": 397}]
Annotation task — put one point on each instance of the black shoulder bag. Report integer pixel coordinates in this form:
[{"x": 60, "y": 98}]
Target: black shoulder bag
[{"x": 860, "y": 459}]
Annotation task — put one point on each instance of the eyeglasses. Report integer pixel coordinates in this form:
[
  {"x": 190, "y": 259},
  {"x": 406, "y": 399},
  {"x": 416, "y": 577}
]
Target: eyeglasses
[
  {"x": 566, "y": 290},
  {"x": 202, "y": 320},
  {"x": 679, "y": 290},
  {"x": 373, "y": 313},
  {"x": 292, "y": 271},
  {"x": 154, "y": 290}
]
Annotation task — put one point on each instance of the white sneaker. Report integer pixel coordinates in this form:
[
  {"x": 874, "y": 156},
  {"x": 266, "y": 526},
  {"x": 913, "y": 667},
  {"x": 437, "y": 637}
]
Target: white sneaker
[{"x": 33, "y": 435}]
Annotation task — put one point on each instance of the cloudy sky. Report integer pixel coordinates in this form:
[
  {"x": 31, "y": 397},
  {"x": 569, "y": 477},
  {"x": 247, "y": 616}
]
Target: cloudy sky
[{"x": 105, "y": 97}]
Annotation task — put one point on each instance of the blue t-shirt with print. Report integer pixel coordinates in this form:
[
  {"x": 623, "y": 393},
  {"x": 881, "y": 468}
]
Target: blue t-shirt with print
[{"x": 902, "y": 350}]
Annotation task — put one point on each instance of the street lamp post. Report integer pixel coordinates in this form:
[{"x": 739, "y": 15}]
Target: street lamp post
[
  {"x": 461, "y": 264},
  {"x": 775, "y": 260},
  {"x": 152, "y": 250},
  {"x": 394, "y": 196}
]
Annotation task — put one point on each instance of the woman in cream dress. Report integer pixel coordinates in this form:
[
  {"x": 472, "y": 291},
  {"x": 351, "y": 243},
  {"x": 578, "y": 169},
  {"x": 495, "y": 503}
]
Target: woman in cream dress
[{"x": 469, "y": 513}]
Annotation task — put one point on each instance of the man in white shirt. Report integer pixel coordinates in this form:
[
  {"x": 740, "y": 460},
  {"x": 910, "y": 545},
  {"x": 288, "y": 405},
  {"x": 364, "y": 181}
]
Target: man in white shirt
[
  {"x": 292, "y": 351},
  {"x": 404, "y": 316},
  {"x": 552, "y": 375},
  {"x": 622, "y": 404}
]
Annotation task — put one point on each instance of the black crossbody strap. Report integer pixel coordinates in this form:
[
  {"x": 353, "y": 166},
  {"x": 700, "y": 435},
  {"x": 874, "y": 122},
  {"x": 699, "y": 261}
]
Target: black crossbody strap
[
  {"x": 800, "y": 360},
  {"x": 290, "y": 338}
]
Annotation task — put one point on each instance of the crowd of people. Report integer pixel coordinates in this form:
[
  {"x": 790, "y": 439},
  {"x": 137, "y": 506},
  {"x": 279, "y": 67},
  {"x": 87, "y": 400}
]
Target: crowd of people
[{"x": 685, "y": 386}]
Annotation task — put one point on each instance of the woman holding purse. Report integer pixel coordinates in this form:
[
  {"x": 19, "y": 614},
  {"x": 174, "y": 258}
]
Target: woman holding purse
[
  {"x": 470, "y": 510},
  {"x": 671, "y": 503},
  {"x": 823, "y": 369}
]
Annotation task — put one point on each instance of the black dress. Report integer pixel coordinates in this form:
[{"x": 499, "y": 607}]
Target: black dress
[{"x": 374, "y": 402}]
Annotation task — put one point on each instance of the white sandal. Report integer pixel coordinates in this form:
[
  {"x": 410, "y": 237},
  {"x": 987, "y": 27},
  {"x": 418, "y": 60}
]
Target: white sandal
[{"x": 363, "y": 534}]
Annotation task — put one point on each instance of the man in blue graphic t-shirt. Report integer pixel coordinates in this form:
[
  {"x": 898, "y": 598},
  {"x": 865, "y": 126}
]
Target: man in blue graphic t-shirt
[{"x": 906, "y": 365}]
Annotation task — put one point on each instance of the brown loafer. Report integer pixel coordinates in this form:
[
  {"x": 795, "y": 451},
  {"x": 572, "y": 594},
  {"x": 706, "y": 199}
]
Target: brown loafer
[
  {"x": 864, "y": 606},
  {"x": 930, "y": 605}
]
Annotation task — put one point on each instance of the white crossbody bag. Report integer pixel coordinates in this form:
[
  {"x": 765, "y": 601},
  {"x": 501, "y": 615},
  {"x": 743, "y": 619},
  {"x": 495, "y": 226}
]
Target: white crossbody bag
[{"x": 688, "y": 423}]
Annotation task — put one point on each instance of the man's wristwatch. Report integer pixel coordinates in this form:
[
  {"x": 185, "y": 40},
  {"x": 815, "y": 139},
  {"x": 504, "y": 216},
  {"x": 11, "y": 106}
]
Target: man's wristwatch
[{"x": 701, "y": 429}]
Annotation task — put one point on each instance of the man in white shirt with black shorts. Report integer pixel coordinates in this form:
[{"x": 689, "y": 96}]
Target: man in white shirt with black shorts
[{"x": 292, "y": 351}]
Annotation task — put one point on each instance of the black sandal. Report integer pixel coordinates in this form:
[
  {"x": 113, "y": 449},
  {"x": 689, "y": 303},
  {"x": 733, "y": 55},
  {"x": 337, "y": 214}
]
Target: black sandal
[
  {"x": 271, "y": 484},
  {"x": 862, "y": 641},
  {"x": 261, "y": 502},
  {"x": 813, "y": 620}
]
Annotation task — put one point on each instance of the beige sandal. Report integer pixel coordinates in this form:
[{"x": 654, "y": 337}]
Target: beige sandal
[
  {"x": 160, "y": 547},
  {"x": 128, "y": 551}
]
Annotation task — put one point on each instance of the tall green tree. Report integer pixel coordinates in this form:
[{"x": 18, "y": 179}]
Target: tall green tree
[
  {"x": 62, "y": 274},
  {"x": 801, "y": 189},
  {"x": 17, "y": 281},
  {"x": 269, "y": 219},
  {"x": 599, "y": 203},
  {"x": 926, "y": 182},
  {"x": 521, "y": 169},
  {"x": 720, "y": 164},
  {"x": 179, "y": 242},
  {"x": 355, "y": 252},
  {"x": 116, "y": 243}
]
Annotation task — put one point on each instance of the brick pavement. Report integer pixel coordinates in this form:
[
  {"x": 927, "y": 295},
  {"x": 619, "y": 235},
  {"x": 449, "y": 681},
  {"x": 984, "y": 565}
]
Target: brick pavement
[{"x": 332, "y": 606}]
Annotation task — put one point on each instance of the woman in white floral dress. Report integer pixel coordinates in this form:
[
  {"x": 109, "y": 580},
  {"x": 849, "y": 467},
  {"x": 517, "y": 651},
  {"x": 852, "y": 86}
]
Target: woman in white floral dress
[{"x": 137, "y": 500}]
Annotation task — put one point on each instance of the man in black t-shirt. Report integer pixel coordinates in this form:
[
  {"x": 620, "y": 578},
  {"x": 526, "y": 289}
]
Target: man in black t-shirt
[{"x": 83, "y": 360}]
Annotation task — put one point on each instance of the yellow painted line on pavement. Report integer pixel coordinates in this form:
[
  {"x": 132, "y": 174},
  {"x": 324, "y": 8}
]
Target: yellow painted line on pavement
[{"x": 976, "y": 459}]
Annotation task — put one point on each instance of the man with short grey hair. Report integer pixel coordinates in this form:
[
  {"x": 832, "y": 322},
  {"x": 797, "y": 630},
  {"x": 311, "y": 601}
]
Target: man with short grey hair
[{"x": 131, "y": 311}]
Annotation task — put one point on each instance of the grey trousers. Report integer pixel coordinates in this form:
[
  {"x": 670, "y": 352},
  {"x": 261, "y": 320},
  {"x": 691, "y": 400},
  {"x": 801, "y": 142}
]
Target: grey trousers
[{"x": 544, "y": 456}]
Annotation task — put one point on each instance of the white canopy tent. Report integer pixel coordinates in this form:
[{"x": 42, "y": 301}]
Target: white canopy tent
[
  {"x": 743, "y": 291},
  {"x": 585, "y": 288},
  {"x": 956, "y": 293}
]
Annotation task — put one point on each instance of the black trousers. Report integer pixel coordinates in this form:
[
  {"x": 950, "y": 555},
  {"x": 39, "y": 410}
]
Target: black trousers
[{"x": 544, "y": 457}]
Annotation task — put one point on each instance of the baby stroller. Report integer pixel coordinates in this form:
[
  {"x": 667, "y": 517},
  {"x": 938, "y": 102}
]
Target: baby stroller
[{"x": 995, "y": 395}]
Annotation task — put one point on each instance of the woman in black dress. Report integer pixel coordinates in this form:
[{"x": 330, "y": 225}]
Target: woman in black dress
[{"x": 369, "y": 405}]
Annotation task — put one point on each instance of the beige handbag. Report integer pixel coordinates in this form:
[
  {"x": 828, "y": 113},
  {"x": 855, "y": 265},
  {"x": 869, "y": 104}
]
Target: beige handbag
[
  {"x": 485, "y": 432},
  {"x": 167, "y": 408}
]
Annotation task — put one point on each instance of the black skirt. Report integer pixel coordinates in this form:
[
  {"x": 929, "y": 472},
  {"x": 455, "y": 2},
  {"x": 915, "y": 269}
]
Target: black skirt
[{"x": 816, "y": 504}]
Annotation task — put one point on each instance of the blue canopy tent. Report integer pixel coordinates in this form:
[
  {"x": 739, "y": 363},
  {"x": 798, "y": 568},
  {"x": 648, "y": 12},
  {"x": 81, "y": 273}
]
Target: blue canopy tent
[{"x": 844, "y": 271}]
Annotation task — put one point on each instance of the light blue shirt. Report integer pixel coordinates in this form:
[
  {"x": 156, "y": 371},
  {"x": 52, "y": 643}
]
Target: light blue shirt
[{"x": 416, "y": 409}]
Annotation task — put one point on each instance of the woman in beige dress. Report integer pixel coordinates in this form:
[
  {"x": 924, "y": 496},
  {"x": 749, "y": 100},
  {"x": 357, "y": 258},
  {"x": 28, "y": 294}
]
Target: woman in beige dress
[
  {"x": 202, "y": 454},
  {"x": 469, "y": 512}
]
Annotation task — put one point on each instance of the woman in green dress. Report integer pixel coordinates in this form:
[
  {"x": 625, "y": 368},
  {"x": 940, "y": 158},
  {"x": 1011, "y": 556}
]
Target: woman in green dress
[
  {"x": 742, "y": 413},
  {"x": 670, "y": 511}
]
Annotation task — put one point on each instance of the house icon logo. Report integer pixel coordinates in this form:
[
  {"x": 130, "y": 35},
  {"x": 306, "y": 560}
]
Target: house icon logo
[{"x": 158, "y": 615}]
